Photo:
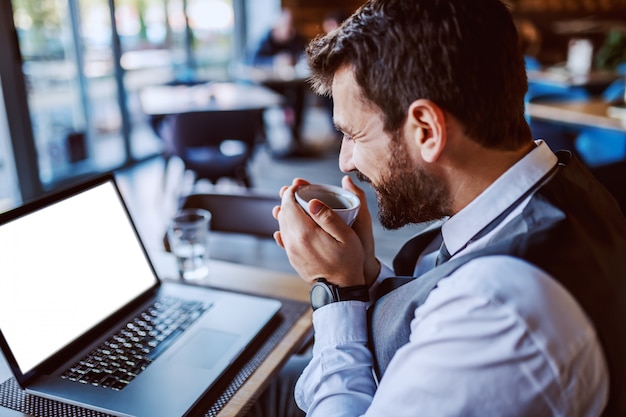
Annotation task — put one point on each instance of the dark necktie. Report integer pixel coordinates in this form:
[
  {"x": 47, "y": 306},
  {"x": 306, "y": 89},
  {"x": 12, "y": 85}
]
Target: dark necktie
[{"x": 405, "y": 260}]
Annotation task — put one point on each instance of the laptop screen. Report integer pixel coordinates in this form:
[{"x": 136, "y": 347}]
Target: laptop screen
[{"x": 64, "y": 268}]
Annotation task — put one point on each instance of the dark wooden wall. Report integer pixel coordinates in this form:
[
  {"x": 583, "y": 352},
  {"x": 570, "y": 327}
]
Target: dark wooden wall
[
  {"x": 556, "y": 21},
  {"x": 309, "y": 14}
]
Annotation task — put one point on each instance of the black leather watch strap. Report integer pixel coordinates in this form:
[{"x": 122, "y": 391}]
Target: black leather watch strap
[
  {"x": 355, "y": 292},
  {"x": 323, "y": 293}
]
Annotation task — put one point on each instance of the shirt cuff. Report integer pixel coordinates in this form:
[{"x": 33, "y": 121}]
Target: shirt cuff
[{"x": 341, "y": 323}]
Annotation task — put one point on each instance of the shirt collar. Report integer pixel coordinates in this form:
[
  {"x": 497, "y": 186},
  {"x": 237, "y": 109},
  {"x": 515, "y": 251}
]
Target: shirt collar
[{"x": 499, "y": 196}]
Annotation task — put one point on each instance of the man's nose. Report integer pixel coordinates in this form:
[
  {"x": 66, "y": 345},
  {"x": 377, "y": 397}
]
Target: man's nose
[{"x": 345, "y": 156}]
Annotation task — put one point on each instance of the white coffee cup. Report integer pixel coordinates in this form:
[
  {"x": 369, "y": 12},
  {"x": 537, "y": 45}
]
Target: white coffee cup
[{"x": 342, "y": 202}]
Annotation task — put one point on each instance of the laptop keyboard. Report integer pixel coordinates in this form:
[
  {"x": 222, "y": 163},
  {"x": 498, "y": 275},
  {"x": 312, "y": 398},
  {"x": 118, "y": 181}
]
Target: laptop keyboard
[{"x": 118, "y": 360}]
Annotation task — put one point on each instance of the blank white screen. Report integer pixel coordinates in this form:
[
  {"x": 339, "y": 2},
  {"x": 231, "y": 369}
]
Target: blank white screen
[{"x": 65, "y": 268}]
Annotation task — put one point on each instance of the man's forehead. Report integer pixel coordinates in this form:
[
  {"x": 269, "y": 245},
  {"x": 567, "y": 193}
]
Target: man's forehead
[
  {"x": 344, "y": 79},
  {"x": 348, "y": 93}
]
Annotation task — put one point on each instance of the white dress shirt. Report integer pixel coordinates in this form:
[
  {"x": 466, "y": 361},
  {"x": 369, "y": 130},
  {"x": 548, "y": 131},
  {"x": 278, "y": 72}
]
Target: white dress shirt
[{"x": 498, "y": 337}]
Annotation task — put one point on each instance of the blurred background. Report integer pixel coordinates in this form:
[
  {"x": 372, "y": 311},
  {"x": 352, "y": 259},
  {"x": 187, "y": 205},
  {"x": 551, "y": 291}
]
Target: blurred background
[{"x": 71, "y": 70}]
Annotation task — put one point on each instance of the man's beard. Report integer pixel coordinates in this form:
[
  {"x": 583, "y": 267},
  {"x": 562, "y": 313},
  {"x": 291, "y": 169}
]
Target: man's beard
[{"x": 406, "y": 194}]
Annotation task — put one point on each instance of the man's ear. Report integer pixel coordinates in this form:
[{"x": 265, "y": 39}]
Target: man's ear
[{"x": 428, "y": 122}]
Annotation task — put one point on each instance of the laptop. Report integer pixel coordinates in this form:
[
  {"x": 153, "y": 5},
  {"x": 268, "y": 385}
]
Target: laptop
[{"x": 85, "y": 320}]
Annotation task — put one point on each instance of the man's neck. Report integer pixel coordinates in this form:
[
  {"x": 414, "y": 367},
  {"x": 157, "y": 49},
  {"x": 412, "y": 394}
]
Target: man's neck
[{"x": 473, "y": 168}]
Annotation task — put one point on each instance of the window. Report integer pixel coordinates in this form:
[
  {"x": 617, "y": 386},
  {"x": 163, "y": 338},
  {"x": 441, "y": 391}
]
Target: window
[
  {"x": 9, "y": 194},
  {"x": 82, "y": 85}
]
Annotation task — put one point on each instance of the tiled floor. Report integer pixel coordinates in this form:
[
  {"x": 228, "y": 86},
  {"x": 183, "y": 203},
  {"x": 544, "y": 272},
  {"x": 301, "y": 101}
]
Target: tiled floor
[{"x": 146, "y": 194}]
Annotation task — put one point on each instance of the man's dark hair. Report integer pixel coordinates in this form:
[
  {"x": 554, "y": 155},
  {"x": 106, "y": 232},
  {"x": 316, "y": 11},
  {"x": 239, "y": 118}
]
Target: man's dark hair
[{"x": 463, "y": 55}]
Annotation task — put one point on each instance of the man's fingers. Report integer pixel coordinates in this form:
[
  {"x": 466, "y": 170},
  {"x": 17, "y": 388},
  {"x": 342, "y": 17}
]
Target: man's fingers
[
  {"x": 347, "y": 183},
  {"x": 327, "y": 219},
  {"x": 279, "y": 240}
]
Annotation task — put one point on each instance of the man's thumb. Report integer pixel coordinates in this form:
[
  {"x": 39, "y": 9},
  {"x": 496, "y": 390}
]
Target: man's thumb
[{"x": 315, "y": 206}]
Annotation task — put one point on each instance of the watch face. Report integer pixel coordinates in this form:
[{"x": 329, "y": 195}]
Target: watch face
[{"x": 320, "y": 295}]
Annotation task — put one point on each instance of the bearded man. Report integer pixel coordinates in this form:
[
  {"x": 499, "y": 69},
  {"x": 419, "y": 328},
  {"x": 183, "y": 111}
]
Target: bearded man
[{"x": 509, "y": 304}]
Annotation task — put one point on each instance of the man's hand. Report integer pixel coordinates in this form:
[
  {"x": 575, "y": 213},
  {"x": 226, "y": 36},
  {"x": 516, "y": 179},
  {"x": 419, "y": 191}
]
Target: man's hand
[
  {"x": 363, "y": 228},
  {"x": 323, "y": 245}
]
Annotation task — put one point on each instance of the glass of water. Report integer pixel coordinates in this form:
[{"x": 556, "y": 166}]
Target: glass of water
[{"x": 188, "y": 236}]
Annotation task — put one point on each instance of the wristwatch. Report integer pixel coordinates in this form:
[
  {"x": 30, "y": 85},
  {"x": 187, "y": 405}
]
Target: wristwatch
[{"x": 323, "y": 292}]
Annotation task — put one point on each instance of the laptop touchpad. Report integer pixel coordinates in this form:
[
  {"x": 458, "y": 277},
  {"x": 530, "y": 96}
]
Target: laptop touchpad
[{"x": 206, "y": 348}]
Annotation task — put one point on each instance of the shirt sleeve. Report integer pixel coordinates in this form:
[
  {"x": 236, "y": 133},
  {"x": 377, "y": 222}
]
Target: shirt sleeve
[
  {"x": 477, "y": 347},
  {"x": 338, "y": 381},
  {"x": 341, "y": 359}
]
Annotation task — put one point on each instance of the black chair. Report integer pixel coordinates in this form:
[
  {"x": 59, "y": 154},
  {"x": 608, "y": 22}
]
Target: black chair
[
  {"x": 156, "y": 120},
  {"x": 214, "y": 144},
  {"x": 245, "y": 213}
]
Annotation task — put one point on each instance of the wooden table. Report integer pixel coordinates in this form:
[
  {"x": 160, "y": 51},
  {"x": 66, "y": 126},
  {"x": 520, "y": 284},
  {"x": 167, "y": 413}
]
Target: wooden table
[
  {"x": 292, "y": 82},
  {"x": 587, "y": 113},
  {"x": 261, "y": 74},
  {"x": 593, "y": 83},
  {"x": 240, "y": 278},
  {"x": 162, "y": 100}
]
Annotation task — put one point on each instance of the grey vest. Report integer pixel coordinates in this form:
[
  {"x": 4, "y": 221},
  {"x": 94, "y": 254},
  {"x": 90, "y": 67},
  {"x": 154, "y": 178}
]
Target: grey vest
[{"x": 573, "y": 229}]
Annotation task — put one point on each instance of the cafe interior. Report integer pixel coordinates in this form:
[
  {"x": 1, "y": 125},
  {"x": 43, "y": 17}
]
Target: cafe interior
[
  {"x": 87, "y": 87},
  {"x": 168, "y": 95}
]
